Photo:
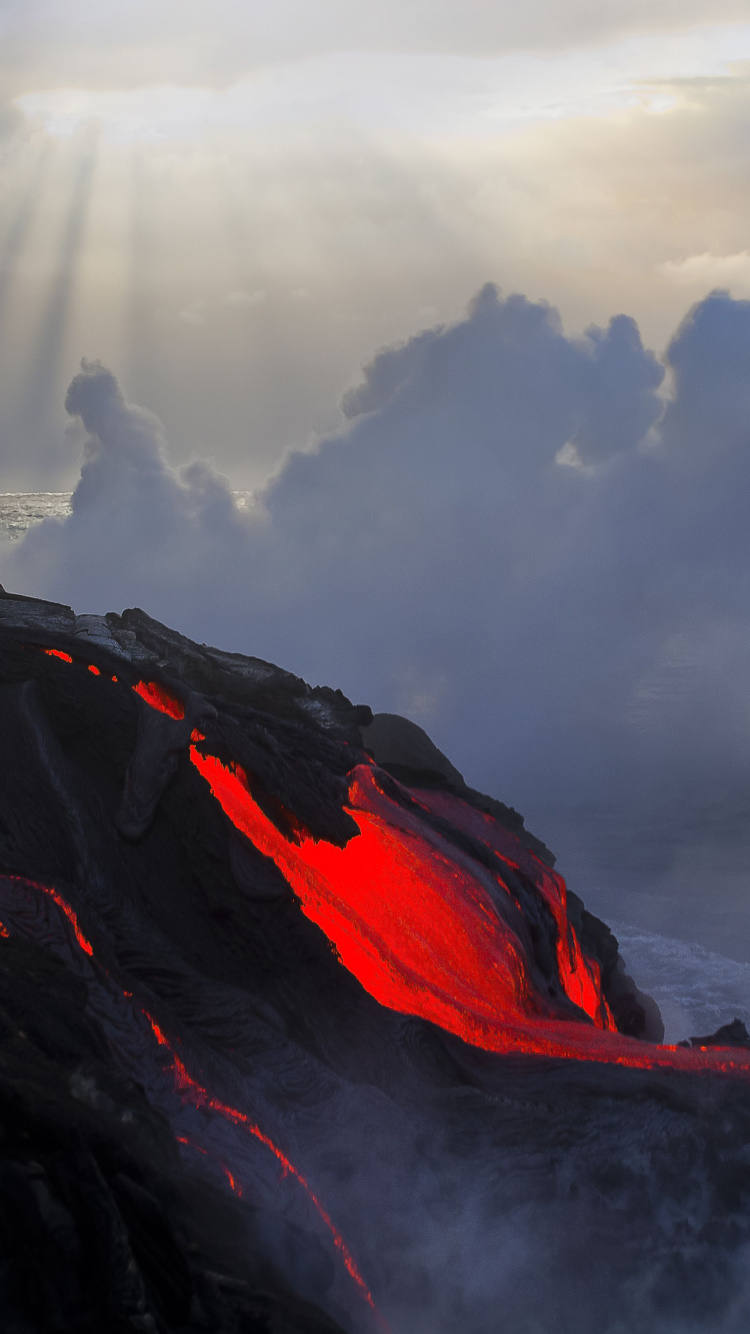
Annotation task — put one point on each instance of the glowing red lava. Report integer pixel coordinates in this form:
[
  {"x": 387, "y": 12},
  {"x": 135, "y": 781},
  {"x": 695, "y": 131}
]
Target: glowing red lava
[
  {"x": 160, "y": 698},
  {"x": 411, "y": 918},
  {"x": 234, "y": 1184},
  {"x": 62, "y": 905},
  {"x": 67, "y": 657},
  {"x": 191, "y": 1088},
  {"x": 419, "y": 930},
  {"x": 580, "y": 976},
  {"x": 193, "y": 1092}
]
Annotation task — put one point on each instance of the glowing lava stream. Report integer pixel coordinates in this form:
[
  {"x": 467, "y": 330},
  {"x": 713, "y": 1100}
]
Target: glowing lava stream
[
  {"x": 234, "y": 1184},
  {"x": 160, "y": 699},
  {"x": 194, "y": 1092},
  {"x": 200, "y": 1097},
  {"x": 581, "y": 977},
  {"x": 422, "y": 935}
]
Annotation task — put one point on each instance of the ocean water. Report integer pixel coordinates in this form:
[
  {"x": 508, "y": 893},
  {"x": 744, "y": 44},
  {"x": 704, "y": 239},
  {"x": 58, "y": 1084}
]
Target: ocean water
[
  {"x": 674, "y": 886},
  {"x": 19, "y": 511},
  {"x": 695, "y": 988}
]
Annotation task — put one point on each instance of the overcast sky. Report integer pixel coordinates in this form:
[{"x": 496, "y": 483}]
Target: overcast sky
[{"x": 235, "y": 205}]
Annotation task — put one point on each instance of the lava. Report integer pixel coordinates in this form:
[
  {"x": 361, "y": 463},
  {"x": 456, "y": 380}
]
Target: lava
[
  {"x": 580, "y": 976},
  {"x": 62, "y": 904},
  {"x": 421, "y": 933},
  {"x": 192, "y": 1091},
  {"x": 160, "y": 698},
  {"x": 234, "y": 1184},
  {"x": 416, "y": 926},
  {"x": 190, "y": 1087}
]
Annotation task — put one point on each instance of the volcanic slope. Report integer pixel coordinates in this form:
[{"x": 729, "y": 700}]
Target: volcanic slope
[{"x": 298, "y": 1031}]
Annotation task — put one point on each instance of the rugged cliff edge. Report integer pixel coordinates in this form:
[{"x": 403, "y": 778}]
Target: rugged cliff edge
[{"x": 299, "y": 1032}]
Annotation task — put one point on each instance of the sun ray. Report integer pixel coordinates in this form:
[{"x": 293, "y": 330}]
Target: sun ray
[
  {"x": 41, "y": 393},
  {"x": 22, "y": 222}
]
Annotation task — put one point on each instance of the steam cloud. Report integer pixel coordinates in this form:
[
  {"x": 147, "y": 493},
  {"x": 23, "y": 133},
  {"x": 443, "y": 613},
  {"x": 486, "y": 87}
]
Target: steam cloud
[{"x": 513, "y": 540}]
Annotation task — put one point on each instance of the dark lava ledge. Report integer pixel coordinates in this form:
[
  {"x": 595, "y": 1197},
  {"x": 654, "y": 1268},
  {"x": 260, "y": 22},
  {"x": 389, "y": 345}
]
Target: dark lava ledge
[{"x": 470, "y": 1191}]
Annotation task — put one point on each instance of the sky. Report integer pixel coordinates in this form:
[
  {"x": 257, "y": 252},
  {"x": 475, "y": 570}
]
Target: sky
[
  {"x": 462, "y": 294},
  {"x": 235, "y": 206}
]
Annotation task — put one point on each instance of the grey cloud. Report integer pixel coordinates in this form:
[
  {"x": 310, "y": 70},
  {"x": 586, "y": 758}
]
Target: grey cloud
[
  {"x": 49, "y": 43},
  {"x": 171, "y": 528},
  {"x": 556, "y": 629},
  {"x": 710, "y": 360},
  {"x": 597, "y": 393}
]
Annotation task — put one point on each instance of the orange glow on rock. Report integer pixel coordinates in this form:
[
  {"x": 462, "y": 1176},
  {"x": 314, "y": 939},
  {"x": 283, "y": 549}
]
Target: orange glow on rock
[
  {"x": 94, "y": 670},
  {"x": 57, "y": 653}
]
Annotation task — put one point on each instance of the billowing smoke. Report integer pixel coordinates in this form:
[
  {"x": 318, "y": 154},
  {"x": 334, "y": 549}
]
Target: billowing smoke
[{"x": 535, "y": 545}]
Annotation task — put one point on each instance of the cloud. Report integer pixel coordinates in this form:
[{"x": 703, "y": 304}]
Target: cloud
[
  {"x": 558, "y": 630},
  {"x": 706, "y": 271},
  {"x": 386, "y": 232},
  {"x": 128, "y": 43},
  {"x": 242, "y": 298}
]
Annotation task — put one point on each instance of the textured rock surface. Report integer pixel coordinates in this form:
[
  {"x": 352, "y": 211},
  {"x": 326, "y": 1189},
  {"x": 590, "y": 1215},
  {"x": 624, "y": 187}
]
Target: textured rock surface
[
  {"x": 207, "y": 1122},
  {"x": 100, "y": 1228}
]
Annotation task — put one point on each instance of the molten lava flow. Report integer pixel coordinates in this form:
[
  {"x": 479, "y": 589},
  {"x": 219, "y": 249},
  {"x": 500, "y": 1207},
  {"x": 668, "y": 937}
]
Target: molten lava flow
[
  {"x": 411, "y": 918},
  {"x": 234, "y": 1184},
  {"x": 190, "y": 1087},
  {"x": 197, "y": 1095},
  {"x": 67, "y": 657},
  {"x": 580, "y": 976},
  {"x": 62, "y": 905},
  {"x": 420, "y": 931},
  {"x": 160, "y": 698}
]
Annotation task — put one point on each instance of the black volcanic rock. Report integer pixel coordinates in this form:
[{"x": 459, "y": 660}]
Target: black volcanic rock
[
  {"x": 100, "y": 1229},
  {"x": 208, "y": 1123},
  {"x": 728, "y": 1035},
  {"x": 404, "y": 749}
]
